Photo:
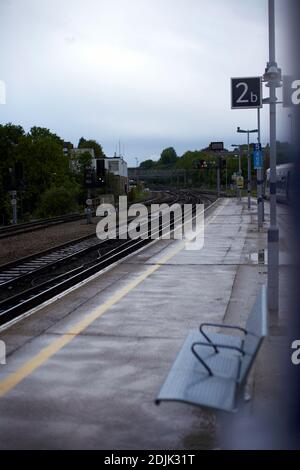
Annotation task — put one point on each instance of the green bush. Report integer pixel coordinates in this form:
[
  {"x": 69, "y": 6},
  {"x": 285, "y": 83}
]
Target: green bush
[{"x": 57, "y": 201}]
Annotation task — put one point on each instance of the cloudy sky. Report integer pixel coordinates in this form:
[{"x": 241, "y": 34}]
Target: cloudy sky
[{"x": 152, "y": 73}]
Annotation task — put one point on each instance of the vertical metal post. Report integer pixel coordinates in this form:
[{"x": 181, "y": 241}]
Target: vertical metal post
[
  {"x": 240, "y": 170},
  {"x": 249, "y": 171},
  {"x": 273, "y": 233},
  {"x": 259, "y": 180},
  {"x": 219, "y": 178},
  {"x": 14, "y": 203}
]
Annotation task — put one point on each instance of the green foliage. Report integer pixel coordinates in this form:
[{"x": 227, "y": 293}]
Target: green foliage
[
  {"x": 188, "y": 159},
  {"x": 147, "y": 165},
  {"x": 168, "y": 157},
  {"x": 92, "y": 144},
  {"x": 137, "y": 194},
  {"x": 10, "y": 136},
  {"x": 84, "y": 159},
  {"x": 50, "y": 188},
  {"x": 57, "y": 201},
  {"x": 45, "y": 164}
]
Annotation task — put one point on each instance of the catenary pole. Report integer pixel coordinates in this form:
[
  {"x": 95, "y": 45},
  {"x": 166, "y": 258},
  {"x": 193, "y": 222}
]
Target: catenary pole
[
  {"x": 272, "y": 76},
  {"x": 260, "y": 200}
]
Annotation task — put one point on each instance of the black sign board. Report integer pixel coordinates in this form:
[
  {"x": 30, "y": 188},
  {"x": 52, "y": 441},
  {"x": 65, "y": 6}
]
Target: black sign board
[
  {"x": 217, "y": 146},
  {"x": 246, "y": 93}
]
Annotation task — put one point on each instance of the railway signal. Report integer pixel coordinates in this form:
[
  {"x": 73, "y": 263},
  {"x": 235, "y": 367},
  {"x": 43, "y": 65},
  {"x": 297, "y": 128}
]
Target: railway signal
[
  {"x": 13, "y": 181},
  {"x": 88, "y": 177},
  {"x": 218, "y": 147},
  {"x": 100, "y": 174}
]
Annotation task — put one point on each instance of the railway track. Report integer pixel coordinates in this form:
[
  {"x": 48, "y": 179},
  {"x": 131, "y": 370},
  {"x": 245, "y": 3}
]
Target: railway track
[
  {"x": 11, "y": 230},
  {"x": 19, "y": 229},
  {"x": 17, "y": 293},
  {"x": 17, "y": 271}
]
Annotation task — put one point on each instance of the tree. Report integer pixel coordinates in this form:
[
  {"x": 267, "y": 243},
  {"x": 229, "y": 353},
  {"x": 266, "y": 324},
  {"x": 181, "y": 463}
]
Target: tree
[
  {"x": 10, "y": 136},
  {"x": 147, "y": 164},
  {"x": 168, "y": 157},
  {"x": 44, "y": 162},
  {"x": 84, "y": 159},
  {"x": 92, "y": 144}
]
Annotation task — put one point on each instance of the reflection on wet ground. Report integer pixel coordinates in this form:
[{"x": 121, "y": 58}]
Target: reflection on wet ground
[{"x": 259, "y": 257}]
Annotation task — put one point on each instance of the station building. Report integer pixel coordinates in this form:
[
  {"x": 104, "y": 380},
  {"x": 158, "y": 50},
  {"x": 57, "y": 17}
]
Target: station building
[
  {"x": 108, "y": 169},
  {"x": 117, "y": 166}
]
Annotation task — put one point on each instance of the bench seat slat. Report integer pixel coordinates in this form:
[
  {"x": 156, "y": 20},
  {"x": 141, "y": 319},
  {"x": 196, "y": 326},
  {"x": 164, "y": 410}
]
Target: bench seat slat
[{"x": 189, "y": 382}]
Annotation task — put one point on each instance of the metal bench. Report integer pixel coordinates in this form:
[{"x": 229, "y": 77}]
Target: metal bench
[{"x": 212, "y": 368}]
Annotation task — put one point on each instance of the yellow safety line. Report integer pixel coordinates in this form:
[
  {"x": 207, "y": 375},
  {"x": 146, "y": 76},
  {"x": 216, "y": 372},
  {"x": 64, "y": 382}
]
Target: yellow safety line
[
  {"x": 39, "y": 359},
  {"x": 29, "y": 367}
]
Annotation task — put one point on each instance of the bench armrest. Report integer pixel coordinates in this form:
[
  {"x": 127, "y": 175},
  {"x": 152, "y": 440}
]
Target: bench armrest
[
  {"x": 214, "y": 346},
  {"x": 216, "y": 325},
  {"x": 201, "y": 360}
]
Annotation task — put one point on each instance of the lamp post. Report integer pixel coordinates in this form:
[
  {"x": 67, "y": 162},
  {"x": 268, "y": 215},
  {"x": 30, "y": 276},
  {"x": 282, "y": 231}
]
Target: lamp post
[
  {"x": 248, "y": 132},
  {"x": 273, "y": 79},
  {"x": 240, "y": 165},
  {"x": 260, "y": 181}
]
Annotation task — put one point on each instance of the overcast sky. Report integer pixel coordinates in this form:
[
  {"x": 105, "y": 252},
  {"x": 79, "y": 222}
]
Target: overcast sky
[{"x": 152, "y": 73}]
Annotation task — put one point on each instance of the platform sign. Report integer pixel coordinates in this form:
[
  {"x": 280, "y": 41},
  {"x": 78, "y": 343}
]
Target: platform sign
[
  {"x": 257, "y": 156},
  {"x": 257, "y": 147},
  {"x": 258, "y": 159},
  {"x": 246, "y": 93},
  {"x": 240, "y": 182}
]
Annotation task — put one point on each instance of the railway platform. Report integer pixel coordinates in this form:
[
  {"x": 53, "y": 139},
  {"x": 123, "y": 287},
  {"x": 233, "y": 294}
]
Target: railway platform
[{"x": 84, "y": 370}]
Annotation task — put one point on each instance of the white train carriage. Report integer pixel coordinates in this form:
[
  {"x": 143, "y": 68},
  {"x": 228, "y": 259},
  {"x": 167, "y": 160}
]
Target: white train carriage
[{"x": 284, "y": 184}]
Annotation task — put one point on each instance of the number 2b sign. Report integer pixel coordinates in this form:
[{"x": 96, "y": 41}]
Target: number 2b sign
[{"x": 246, "y": 93}]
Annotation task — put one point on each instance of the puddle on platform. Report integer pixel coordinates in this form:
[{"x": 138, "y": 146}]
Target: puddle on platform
[{"x": 260, "y": 257}]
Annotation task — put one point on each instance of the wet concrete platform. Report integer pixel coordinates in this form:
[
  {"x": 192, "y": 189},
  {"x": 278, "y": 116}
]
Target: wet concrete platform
[{"x": 83, "y": 372}]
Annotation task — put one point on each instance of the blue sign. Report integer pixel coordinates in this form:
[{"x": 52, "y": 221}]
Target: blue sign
[
  {"x": 257, "y": 147},
  {"x": 258, "y": 159}
]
